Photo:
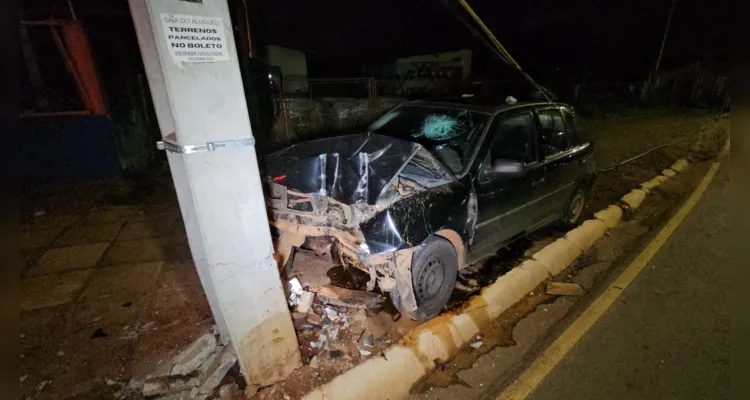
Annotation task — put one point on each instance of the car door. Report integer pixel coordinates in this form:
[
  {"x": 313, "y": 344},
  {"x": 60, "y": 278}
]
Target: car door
[
  {"x": 561, "y": 159},
  {"x": 503, "y": 200}
]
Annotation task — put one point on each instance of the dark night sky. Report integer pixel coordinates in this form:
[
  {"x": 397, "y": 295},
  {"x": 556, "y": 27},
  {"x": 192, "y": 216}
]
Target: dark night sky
[{"x": 611, "y": 40}]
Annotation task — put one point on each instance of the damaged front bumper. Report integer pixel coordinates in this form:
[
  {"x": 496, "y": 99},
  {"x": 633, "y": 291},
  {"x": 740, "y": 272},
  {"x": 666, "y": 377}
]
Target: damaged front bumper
[{"x": 298, "y": 216}]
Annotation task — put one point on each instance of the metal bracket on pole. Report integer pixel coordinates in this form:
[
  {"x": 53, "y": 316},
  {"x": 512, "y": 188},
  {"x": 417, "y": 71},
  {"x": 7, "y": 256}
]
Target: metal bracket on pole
[{"x": 199, "y": 148}]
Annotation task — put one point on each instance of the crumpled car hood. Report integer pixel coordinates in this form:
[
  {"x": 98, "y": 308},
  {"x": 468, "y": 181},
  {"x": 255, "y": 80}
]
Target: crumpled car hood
[{"x": 349, "y": 168}]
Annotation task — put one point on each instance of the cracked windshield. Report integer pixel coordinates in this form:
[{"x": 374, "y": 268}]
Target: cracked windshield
[{"x": 449, "y": 134}]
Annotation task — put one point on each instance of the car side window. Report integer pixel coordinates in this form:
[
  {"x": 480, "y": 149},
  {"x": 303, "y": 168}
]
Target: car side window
[
  {"x": 514, "y": 139},
  {"x": 554, "y": 135}
]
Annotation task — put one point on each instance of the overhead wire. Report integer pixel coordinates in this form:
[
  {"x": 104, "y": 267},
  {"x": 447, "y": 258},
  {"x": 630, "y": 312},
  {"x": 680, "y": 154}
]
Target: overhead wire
[{"x": 500, "y": 49}]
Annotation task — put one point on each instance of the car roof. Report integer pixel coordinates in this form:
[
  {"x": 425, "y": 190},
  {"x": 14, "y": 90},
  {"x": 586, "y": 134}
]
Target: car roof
[{"x": 477, "y": 104}]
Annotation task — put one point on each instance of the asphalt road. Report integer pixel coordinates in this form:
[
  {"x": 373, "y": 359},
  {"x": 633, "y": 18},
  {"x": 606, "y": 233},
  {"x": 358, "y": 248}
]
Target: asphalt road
[{"x": 667, "y": 335}]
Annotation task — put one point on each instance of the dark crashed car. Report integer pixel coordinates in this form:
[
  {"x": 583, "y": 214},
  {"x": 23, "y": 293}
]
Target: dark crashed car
[{"x": 431, "y": 188}]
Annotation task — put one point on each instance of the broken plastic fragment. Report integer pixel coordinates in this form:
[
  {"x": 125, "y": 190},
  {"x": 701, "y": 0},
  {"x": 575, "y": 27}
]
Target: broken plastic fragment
[
  {"x": 332, "y": 314},
  {"x": 368, "y": 341},
  {"x": 305, "y": 301},
  {"x": 294, "y": 291},
  {"x": 476, "y": 344}
]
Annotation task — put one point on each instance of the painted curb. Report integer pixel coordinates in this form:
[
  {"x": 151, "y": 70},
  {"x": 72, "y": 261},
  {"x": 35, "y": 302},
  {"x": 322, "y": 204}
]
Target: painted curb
[
  {"x": 610, "y": 216},
  {"x": 634, "y": 199},
  {"x": 558, "y": 255},
  {"x": 512, "y": 287},
  {"x": 669, "y": 173},
  {"x": 587, "y": 234},
  {"x": 679, "y": 165},
  {"x": 402, "y": 365}
]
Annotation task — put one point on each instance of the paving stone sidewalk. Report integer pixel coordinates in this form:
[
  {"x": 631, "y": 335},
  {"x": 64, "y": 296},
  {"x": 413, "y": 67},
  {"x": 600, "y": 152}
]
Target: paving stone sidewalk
[{"x": 106, "y": 295}]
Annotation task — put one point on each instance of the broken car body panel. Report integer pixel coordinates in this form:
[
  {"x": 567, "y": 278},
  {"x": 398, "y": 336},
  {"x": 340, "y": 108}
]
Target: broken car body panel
[
  {"x": 381, "y": 197},
  {"x": 377, "y": 196}
]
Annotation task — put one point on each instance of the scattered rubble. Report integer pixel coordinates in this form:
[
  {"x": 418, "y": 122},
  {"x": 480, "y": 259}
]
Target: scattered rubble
[
  {"x": 229, "y": 391},
  {"x": 251, "y": 391},
  {"x": 192, "y": 357},
  {"x": 305, "y": 302},
  {"x": 294, "y": 291},
  {"x": 314, "y": 319},
  {"x": 350, "y": 298},
  {"x": 195, "y": 373},
  {"x": 42, "y": 385},
  {"x": 216, "y": 372},
  {"x": 564, "y": 289}
]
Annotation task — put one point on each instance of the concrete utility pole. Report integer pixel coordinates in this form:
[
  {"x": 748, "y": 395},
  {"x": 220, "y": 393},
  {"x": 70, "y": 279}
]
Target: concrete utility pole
[{"x": 190, "y": 58}]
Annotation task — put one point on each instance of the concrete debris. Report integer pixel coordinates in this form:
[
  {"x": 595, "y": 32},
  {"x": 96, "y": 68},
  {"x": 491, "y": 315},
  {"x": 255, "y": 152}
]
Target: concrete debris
[
  {"x": 314, "y": 319},
  {"x": 229, "y": 391},
  {"x": 217, "y": 370},
  {"x": 305, "y": 302},
  {"x": 166, "y": 385},
  {"x": 364, "y": 353},
  {"x": 294, "y": 291},
  {"x": 39, "y": 213},
  {"x": 565, "y": 289},
  {"x": 60, "y": 353},
  {"x": 332, "y": 314},
  {"x": 110, "y": 382},
  {"x": 23, "y": 377},
  {"x": 192, "y": 357},
  {"x": 251, "y": 391},
  {"x": 155, "y": 386},
  {"x": 42, "y": 385},
  {"x": 314, "y": 362},
  {"x": 375, "y": 326},
  {"x": 349, "y": 298},
  {"x": 477, "y": 344},
  {"x": 322, "y": 342},
  {"x": 460, "y": 286},
  {"x": 333, "y": 333}
]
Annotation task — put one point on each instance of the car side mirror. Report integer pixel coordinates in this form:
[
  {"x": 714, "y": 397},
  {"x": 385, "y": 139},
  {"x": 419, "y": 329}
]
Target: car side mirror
[{"x": 505, "y": 169}]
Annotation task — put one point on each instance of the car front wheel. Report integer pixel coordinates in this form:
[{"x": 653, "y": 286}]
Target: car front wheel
[{"x": 434, "y": 269}]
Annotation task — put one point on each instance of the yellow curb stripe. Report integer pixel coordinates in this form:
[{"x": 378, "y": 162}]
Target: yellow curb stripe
[{"x": 538, "y": 370}]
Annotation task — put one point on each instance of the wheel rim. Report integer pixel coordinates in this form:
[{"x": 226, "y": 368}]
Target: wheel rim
[
  {"x": 576, "y": 208},
  {"x": 430, "y": 279}
]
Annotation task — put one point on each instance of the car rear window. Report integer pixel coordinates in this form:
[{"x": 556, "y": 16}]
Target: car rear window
[{"x": 576, "y": 134}]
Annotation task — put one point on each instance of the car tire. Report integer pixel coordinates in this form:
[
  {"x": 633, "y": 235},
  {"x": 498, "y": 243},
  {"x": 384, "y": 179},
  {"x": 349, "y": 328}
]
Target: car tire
[
  {"x": 434, "y": 270},
  {"x": 574, "y": 207}
]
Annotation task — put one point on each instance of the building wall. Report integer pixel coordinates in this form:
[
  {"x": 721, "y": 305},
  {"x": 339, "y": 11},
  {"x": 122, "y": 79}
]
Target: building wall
[
  {"x": 423, "y": 72},
  {"x": 293, "y": 65}
]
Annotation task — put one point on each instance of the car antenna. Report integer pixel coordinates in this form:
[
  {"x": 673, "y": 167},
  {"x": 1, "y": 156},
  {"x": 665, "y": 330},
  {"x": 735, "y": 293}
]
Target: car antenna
[{"x": 503, "y": 53}]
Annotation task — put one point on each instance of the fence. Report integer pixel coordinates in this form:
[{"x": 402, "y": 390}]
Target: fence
[{"x": 323, "y": 107}]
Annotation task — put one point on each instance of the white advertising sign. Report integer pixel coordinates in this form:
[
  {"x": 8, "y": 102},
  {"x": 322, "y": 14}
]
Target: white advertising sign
[{"x": 193, "y": 38}]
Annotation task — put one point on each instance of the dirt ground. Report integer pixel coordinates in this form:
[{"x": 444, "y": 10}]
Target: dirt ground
[{"x": 109, "y": 289}]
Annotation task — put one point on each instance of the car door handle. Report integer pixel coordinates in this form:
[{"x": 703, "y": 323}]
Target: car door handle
[{"x": 537, "y": 182}]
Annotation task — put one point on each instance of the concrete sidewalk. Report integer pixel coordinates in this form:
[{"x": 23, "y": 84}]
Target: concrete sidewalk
[
  {"x": 667, "y": 336},
  {"x": 106, "y": 295}
]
